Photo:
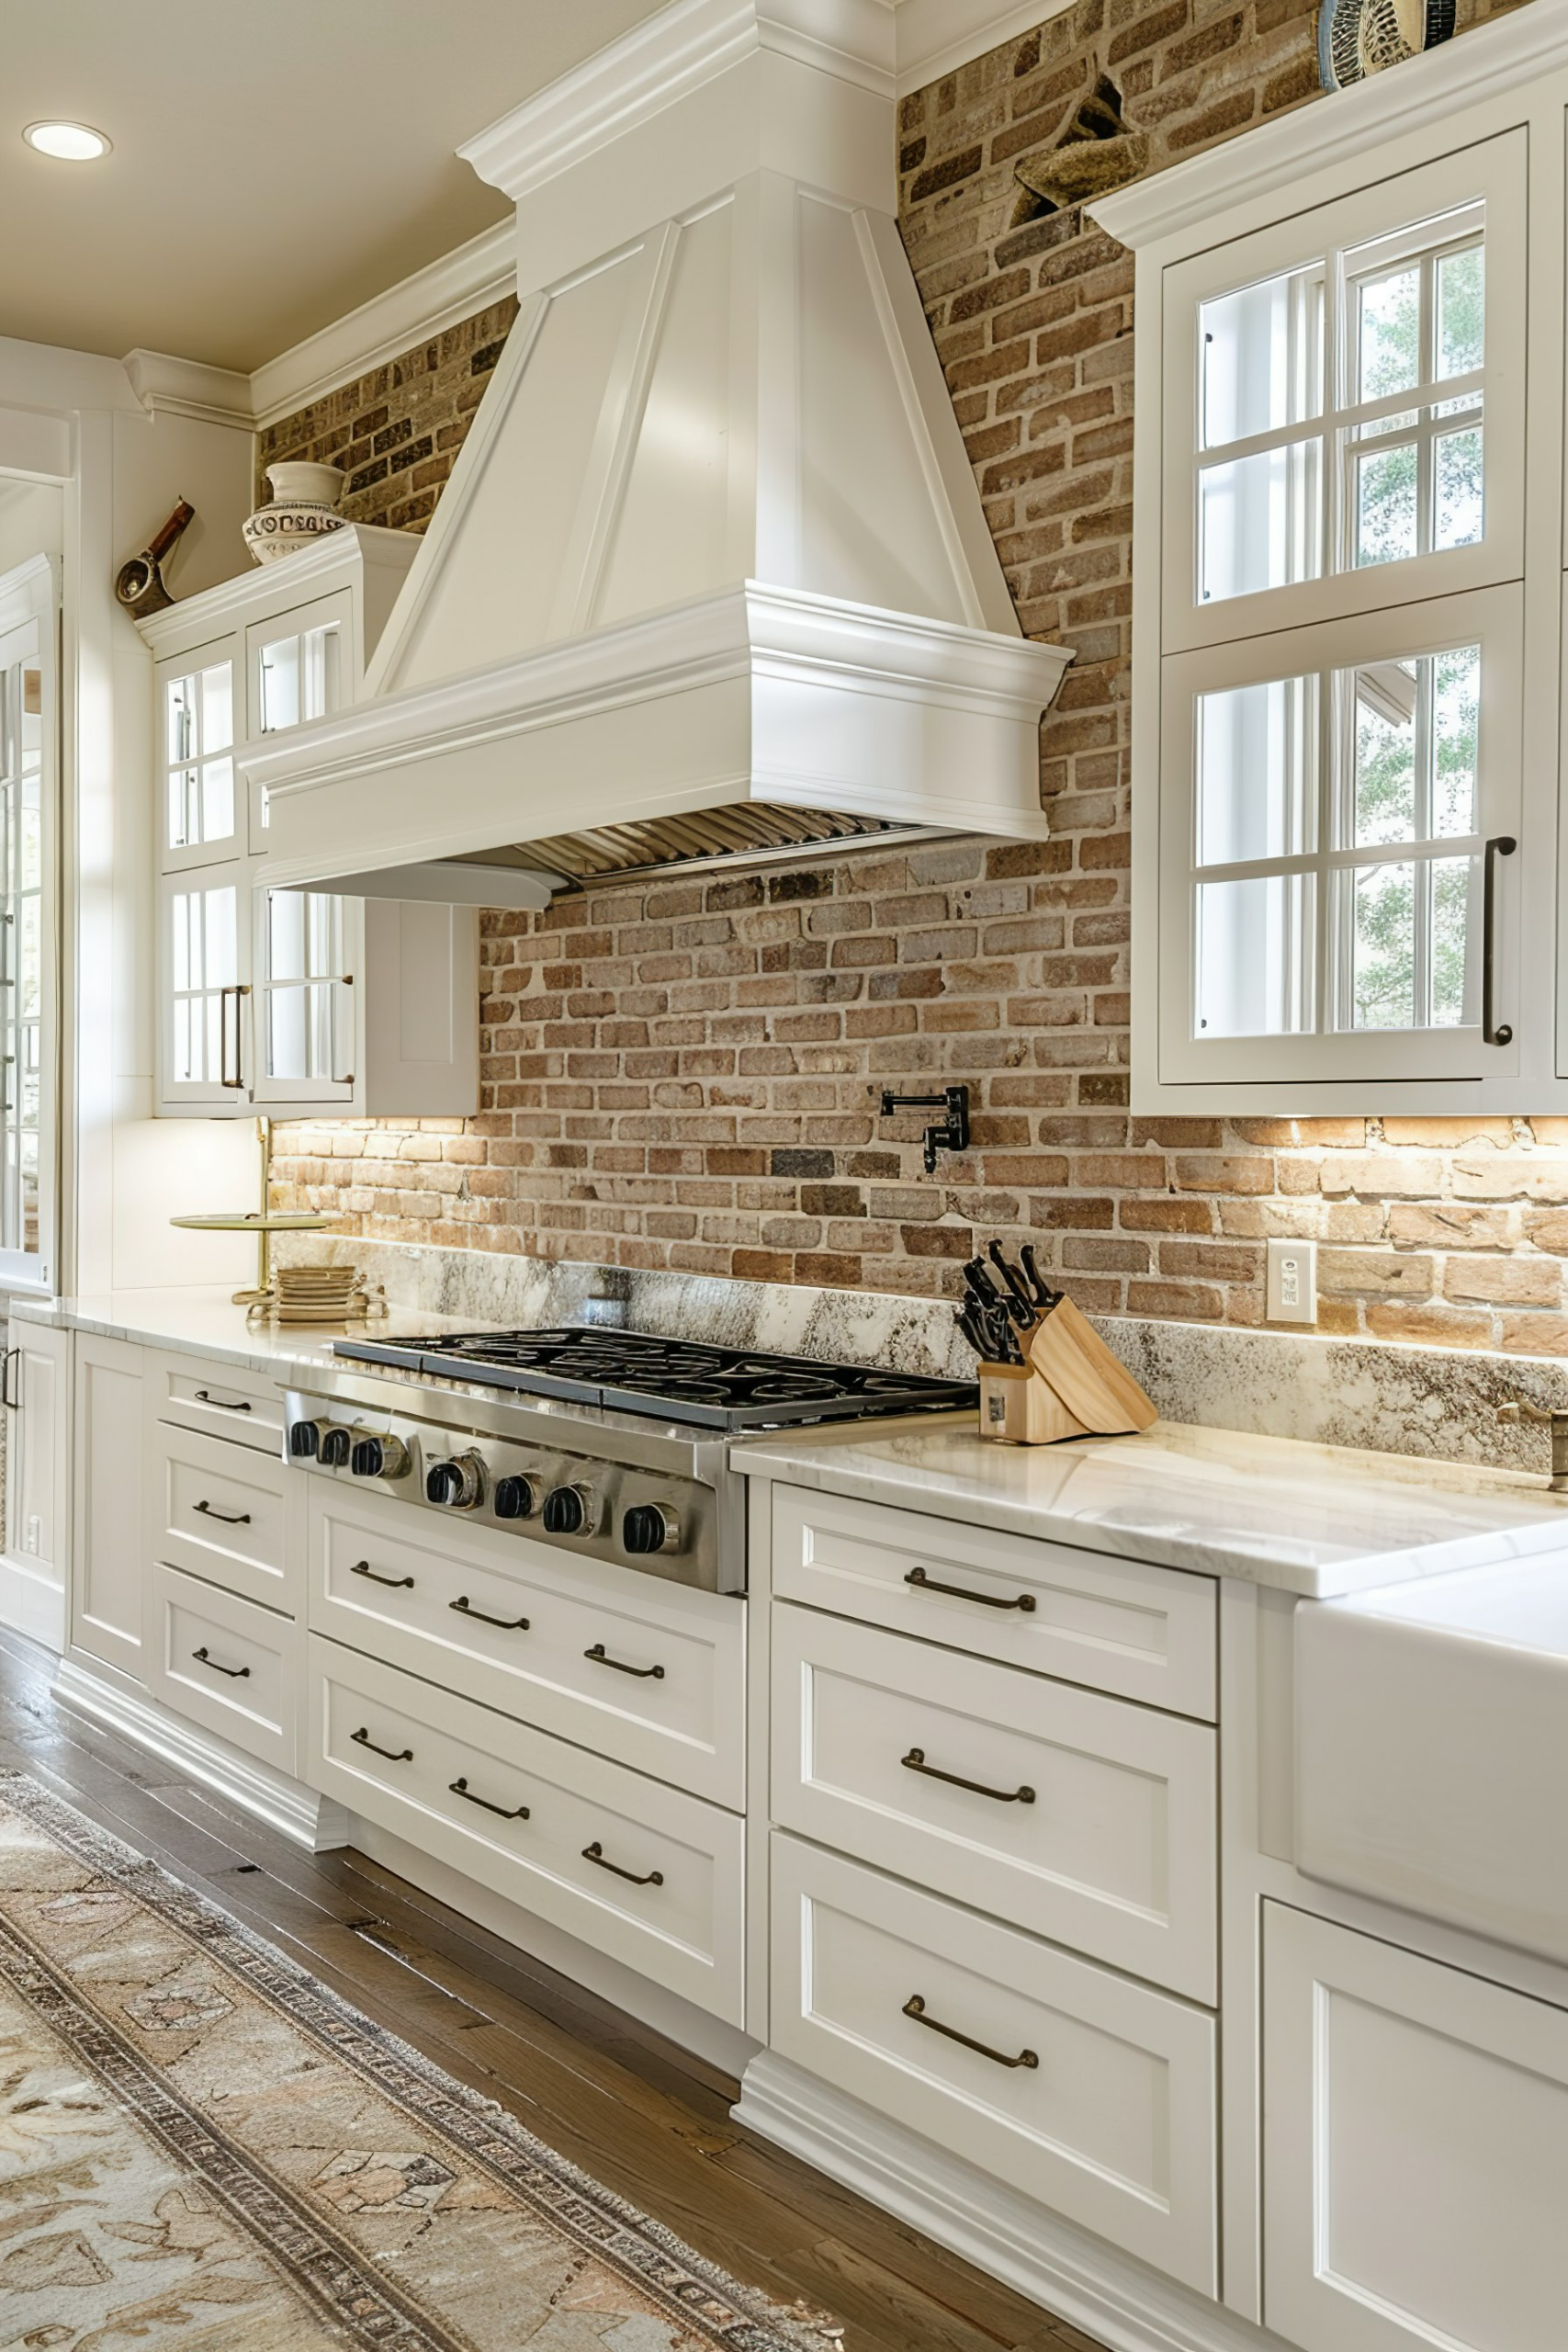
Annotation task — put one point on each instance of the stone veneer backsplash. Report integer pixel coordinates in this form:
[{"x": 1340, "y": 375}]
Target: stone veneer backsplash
[{"x": 683, "y": 1074}]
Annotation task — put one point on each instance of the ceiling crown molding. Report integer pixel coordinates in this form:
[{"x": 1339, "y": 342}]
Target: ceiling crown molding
[
  {"x": 189, "y": 387},
  {"x": 677, "y": 52},
  {"x": 426, "y": 303}
]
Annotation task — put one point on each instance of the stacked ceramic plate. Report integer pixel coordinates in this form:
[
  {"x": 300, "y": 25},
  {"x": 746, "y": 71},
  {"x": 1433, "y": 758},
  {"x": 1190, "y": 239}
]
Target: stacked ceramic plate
[{"x": 318, "y": 1294}]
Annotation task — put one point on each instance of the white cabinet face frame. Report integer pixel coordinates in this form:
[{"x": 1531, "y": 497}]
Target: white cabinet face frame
[
  {"x": 1327, "y": 895},
  {"x": 1343, "y": 411}
]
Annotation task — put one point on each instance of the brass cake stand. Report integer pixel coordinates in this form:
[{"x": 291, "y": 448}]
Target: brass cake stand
[{"x": 264, "y": 1222}]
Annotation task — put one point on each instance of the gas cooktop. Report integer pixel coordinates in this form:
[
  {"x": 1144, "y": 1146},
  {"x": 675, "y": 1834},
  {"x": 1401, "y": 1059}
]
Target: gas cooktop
[{"x": 680, "y": 1380}]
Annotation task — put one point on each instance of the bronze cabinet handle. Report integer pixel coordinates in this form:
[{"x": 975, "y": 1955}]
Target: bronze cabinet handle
[
  {"x": 915, "y": 2007},
  {"x": 598, "y": 1655},
  {"x": 393, "y": 1584},
  {"x": 595, "y": 1853},
  {"x": 460, "y": 1788},
  {"x": 228, "y": 1517},
  {"x": 465, "y": 1607},
  {"x": 1493, "y": 1033},
  {"x": 923, "y": 1583},
  {"x": 222, "y": 1402},
  {"x": 915, "y": 1762},
  {"x": 236, "y": 1673},
  {"x": 393, "y": 1755}
]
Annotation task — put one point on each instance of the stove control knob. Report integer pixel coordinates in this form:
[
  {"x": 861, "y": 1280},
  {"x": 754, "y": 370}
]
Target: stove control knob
[
  {"x": 569, "y": 1510},
  {"x": 515, "y": 1498},
  {"x": 459, "y": 1484},
  {"x": 650, "y": 1527},
  {"x": 334, "y": 1447},
  {"x": 305, "y": 1439},
  {"x": 378, "y": 1456}
]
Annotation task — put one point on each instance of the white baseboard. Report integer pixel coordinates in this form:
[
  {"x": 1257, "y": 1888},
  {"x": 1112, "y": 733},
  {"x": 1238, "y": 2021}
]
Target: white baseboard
[
  {"x": 312, "y": 1820},
  {"x": 1072, "y": 2274},
  {"x": 31, "y": 1602}
]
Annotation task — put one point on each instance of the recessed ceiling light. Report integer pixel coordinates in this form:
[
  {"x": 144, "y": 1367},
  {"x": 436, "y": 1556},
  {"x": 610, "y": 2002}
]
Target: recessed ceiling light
[{"x": 70, "y": 142}]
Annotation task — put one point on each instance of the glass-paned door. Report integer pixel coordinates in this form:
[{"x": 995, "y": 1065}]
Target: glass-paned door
[
  {"x": 1345, "y": 419},
  {"x": 306, "y": 955},
  {"x": 205, "y": 949},
  {"x": 200, "y": 815},
  {"x": 29, "y": 799},
  {"x": 295, "y": 667},
  {"x": 1339, "y": 849}
]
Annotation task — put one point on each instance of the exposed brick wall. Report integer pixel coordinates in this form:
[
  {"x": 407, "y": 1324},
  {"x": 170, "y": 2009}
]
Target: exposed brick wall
[
  {"x": 685, "y": 1073},
  {"x": 396, "y": 431}
]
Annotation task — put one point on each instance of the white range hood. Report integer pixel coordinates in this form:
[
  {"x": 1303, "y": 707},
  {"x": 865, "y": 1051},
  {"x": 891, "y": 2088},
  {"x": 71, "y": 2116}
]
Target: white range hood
[{"x": 711, "y": 576}]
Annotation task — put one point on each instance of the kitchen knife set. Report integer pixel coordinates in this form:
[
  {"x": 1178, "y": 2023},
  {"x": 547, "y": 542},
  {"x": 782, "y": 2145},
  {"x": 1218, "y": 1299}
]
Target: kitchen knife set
[
  {"x": 994, "y": 1313},
  {"x": 1046, "y": 1372}
]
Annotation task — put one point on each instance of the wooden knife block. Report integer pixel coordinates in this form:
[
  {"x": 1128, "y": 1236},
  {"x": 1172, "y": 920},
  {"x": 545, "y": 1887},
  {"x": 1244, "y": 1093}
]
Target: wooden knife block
[{"x": 1069, "y": 1384}]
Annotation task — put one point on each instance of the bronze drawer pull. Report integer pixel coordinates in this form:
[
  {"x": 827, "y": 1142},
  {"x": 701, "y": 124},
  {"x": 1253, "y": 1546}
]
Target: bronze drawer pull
[
  {"x": 599, "y": 1657},
  {"x": 460, "y": 1788},
  {"x": 229, "y": 1517},
  {"x": 236, "y": 1673},
  {"x": 222, "y": 1402},
  {"x": 915, "y": 1762},
  {"x": 465, "y": 1607},
  {"x": 393, "y": 1584},
  {"x": 595, "y": 1853},
  {"x": 923, "y": 1583},
  {"x": 915, "y": 2007},
  {"x": 393, "y": 1755}
]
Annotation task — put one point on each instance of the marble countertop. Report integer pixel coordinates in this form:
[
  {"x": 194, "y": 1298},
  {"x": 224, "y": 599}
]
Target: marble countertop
[
  {"x": 206, "y": 1322},
  {"x": 1319, "y": 1520}
]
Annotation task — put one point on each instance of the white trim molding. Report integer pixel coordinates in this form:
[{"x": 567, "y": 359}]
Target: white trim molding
[
  {"x": 172, "y": 387},
  {"x": 1072, "y": 2274},
  {"x": 316, "y": 1822},
  {"x": 934, "y": 38},
  {"x": 426, "y": 303},
  {"x": 32, "y": 1601}
]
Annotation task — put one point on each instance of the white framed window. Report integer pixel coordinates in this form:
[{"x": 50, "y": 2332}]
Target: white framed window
[
  {"x": 1336, "y": 895},
  {"x": 28, "y": 924},
  {"x": 1344, "y": 416},
  {"x": 198, "y": 782}
]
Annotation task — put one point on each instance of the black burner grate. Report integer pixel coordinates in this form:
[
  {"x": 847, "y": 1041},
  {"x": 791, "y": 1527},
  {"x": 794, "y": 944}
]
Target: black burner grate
[{"x": 682, "y": 1380}]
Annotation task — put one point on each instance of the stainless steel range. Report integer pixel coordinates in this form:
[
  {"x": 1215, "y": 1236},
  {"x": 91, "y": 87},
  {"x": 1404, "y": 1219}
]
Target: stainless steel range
[{"x": 611, "y": 1444}]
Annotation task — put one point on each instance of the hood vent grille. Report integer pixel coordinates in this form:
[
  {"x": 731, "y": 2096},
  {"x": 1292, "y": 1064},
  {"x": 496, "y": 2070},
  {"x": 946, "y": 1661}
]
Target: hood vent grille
[{"x": 752, "y": 830}]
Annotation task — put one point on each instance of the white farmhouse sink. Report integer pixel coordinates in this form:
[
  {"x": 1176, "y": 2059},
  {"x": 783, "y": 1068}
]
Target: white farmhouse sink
[{"x": 1432, "y": 1748}]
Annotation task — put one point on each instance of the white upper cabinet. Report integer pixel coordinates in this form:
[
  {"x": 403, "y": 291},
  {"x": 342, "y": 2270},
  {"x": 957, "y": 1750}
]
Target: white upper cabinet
[
  {"x": 285, "y": 1001},
  {"x": 1347, "y": 573}
]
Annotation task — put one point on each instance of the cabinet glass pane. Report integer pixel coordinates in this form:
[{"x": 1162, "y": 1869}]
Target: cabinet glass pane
[
  {"x": 1256, "y": 769},
  {"x": 1261, "y": 520},
  {"x": 1255, "y": 957},
  {"x": 308, "y": 1006},
  {"x": 204, "y": 966},
  {"x": 1262, "y": 357},
  {"x": 297, "y": 680},
  {"x": 198, "y": 716}
]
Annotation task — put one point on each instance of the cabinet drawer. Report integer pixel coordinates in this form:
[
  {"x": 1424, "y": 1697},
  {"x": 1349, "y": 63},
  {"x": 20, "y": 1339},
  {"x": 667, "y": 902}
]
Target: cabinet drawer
[
  {"x": 1120, "y": 1626},
  {"x": 1416, "y": 2150},
  {"x": 640, "y": 1671},
  {"x": 1109, "y": 2119},
  {"x": 219, "y": 1511},
  {"x": 1083, "y": 1819},
  {"x": 644, "y": 1872},
  {"x": 226, "y": 1664},
  {"x": 223, "y": 1399}
]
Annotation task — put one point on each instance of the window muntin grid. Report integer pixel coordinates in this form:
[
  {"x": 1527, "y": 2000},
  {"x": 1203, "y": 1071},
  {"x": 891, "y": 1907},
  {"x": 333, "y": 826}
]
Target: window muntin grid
[
  {"x": 1337, "y": 847},
  {"x": 306, "y": 1006},
  {"x": 198, "y": 718},
  {"x": 1341, "y": 411}
]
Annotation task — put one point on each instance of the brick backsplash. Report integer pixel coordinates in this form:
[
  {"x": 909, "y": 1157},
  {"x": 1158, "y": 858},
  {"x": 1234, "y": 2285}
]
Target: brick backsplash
[{"x": 685, "y": 1073}]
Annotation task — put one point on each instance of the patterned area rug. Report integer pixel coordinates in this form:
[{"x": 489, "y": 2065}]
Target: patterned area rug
[{"x": 202, "y": 2146}]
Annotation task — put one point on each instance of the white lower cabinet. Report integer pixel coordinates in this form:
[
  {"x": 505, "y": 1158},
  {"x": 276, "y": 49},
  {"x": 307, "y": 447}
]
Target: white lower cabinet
[
  {"x": 644, "y": 1872},
  {"x": 1074, "y": 2085},
  {"x": 1415, "y": 2150},
  {"x": 109, "y": 1584},
  {"x": 225, "y": 1663},
  {"x": 220, "y": 1510},
  {"x": 38, "y": 1480}
]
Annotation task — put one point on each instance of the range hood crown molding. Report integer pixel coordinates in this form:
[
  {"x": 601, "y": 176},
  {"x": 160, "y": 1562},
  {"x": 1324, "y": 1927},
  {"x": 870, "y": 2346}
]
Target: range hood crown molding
[{"x": 710, "y": 575}]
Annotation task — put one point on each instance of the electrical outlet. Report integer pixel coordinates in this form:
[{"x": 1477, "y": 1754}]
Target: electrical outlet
[{"x": 1292, "y": 1281}]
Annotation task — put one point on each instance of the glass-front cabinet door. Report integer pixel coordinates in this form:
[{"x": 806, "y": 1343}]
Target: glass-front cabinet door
[
  {"x": 307, "y": 952},
  {"x": 295, "y": 671},
  {"x": 205, "y": 970},
  {"x": 201, "y": 819},
  {"x": 1338, "y": 849}
]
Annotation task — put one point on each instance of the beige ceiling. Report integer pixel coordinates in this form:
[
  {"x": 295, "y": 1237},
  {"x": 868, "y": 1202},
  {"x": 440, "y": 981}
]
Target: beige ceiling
[{"x": 273, "y": 167}]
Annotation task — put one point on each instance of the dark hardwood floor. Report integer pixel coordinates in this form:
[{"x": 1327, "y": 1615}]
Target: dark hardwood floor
[{"x": 641, "y": 2115}]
